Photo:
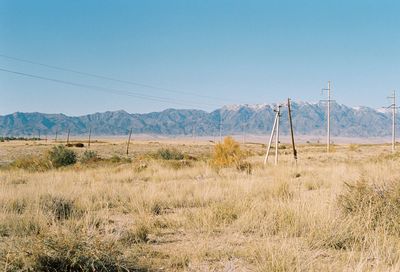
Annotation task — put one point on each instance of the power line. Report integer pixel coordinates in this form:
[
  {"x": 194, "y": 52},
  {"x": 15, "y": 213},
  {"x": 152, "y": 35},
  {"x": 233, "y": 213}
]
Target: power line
[
  {"x": 113, "y": 79},
  {"x": 108, "y": 90}
]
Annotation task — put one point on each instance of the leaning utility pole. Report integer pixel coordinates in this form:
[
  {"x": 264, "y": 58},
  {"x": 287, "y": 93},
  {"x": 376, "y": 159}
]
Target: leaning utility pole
[
  {"x": 90, "y": 134},
  {"x": 275, "y": 132},
  {"x": 393, "y": 107},
  {"x": 277, "y": 135},
  {"x": 276, "y": 120},
  {"x": 328, "y": 118},
  {"x": 129, "y": 141},
  {"x": 69, "y": 131},
  {"x": 291, "y": 130}
]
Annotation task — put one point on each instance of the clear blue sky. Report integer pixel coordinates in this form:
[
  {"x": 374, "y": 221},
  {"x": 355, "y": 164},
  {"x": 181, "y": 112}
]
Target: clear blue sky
[{"x": 238, "y": 51}]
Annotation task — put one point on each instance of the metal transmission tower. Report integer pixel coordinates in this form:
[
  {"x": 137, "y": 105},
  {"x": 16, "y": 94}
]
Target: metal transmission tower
[
  {"x": 393, "y": 106},
  {"x": 328, "y": 117}
]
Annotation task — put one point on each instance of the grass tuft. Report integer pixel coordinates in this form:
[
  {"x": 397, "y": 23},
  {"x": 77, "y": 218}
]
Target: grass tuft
[{"x": 59, "y": 207}]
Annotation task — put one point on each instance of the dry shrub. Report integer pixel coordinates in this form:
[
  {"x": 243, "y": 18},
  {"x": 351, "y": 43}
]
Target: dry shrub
[
  {"x": 377, "y": 206},
  {"x": 89, "y": 156},
  {"x": 16, "y": 205},
  {"x": 278, "y": 258},
  {"x": 78, "y": 252},
  {"x": 19, "y": 181},
  {"x": 367, "y": 211},
  {"x": 32, "y": 163},
  {"x": 313, "y": 185},
  {"x": 179, "y": 262},
  {"x": 118, "y": 159},
  {"x": 57, "y": 206},
  {"x": 229, "y": 154},
  {"x": 282, "y": 190},
  {"x": 353, "y": 147},
  {"x": 136, "y": 235},
  {"x": 159, "y": 207},
  {"x": 245, "y": 167},
  {"x": 339, "y": 234},
  {"x": 57, "y": 157},
  {"x": 225, "y": 213},
  {"x": 176, "y": 165},
  {"x": 140, "y": 166},
  {"x": 169, "y": 154},
  {"x": 332, "y": 148},
  {"x": 20, "y": 225}
]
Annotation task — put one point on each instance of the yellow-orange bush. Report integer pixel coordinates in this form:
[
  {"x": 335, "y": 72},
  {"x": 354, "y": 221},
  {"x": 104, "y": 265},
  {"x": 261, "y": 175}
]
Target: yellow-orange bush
[{"x": 227, "y": 154}]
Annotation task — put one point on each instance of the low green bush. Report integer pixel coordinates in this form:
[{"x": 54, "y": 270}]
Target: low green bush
[
  {"x": 169, "y": 154},
  {"x": 118, "y": 159},
  {"x": 89, "y": 156},
  {"x": 61, "y": 156}
]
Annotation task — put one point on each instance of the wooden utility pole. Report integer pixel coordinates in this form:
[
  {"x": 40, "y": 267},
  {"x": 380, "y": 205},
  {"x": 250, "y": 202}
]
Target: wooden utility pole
[
  {"x": 277, "y": 135},
  {"x": 69, "y": 131},
  {"x": 129, "y": 141},
  {"x": 39, "y": 134},
  {"x": 393, "y": 107},
  {"x": 220, "y": 127},
  {"x": 90, "y": 134},
  {"x": 55, "y": 140},
  {"x": 270, "y": 139},
  {"x": 291, "y": 130},
  {"x": 276, "y": 120},
  {"x": 244, "y": 134}
]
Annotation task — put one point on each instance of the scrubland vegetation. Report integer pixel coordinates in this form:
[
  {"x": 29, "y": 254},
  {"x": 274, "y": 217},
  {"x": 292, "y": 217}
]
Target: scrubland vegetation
[{"x": 198, "y": 207}]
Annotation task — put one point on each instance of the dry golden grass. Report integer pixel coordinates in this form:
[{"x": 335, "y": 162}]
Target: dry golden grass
[{"x": 336, "y": 213}]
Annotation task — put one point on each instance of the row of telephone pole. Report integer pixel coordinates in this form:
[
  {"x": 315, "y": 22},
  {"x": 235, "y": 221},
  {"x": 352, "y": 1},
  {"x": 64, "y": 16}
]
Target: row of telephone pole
[
  {"x": 328, "y": 101},
  {"x": 90, "y": 138},
  {"x": 393, "y": 107}
]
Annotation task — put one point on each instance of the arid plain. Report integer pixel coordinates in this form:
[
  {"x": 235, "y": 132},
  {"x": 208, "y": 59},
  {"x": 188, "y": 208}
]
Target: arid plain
[{"x": 150, "y": 212}]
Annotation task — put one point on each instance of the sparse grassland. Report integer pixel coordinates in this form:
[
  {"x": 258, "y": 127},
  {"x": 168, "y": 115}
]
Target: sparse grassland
[{"x": 167, "y": 208}]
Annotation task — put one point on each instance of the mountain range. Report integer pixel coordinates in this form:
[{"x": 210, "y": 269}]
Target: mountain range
[{"x": 308, "y": 119}]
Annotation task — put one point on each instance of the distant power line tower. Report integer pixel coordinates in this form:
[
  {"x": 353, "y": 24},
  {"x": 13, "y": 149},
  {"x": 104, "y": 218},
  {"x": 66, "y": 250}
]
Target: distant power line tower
[
  {"x": 393, "y": 106},
  {"x": 328, "y": 116}
]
